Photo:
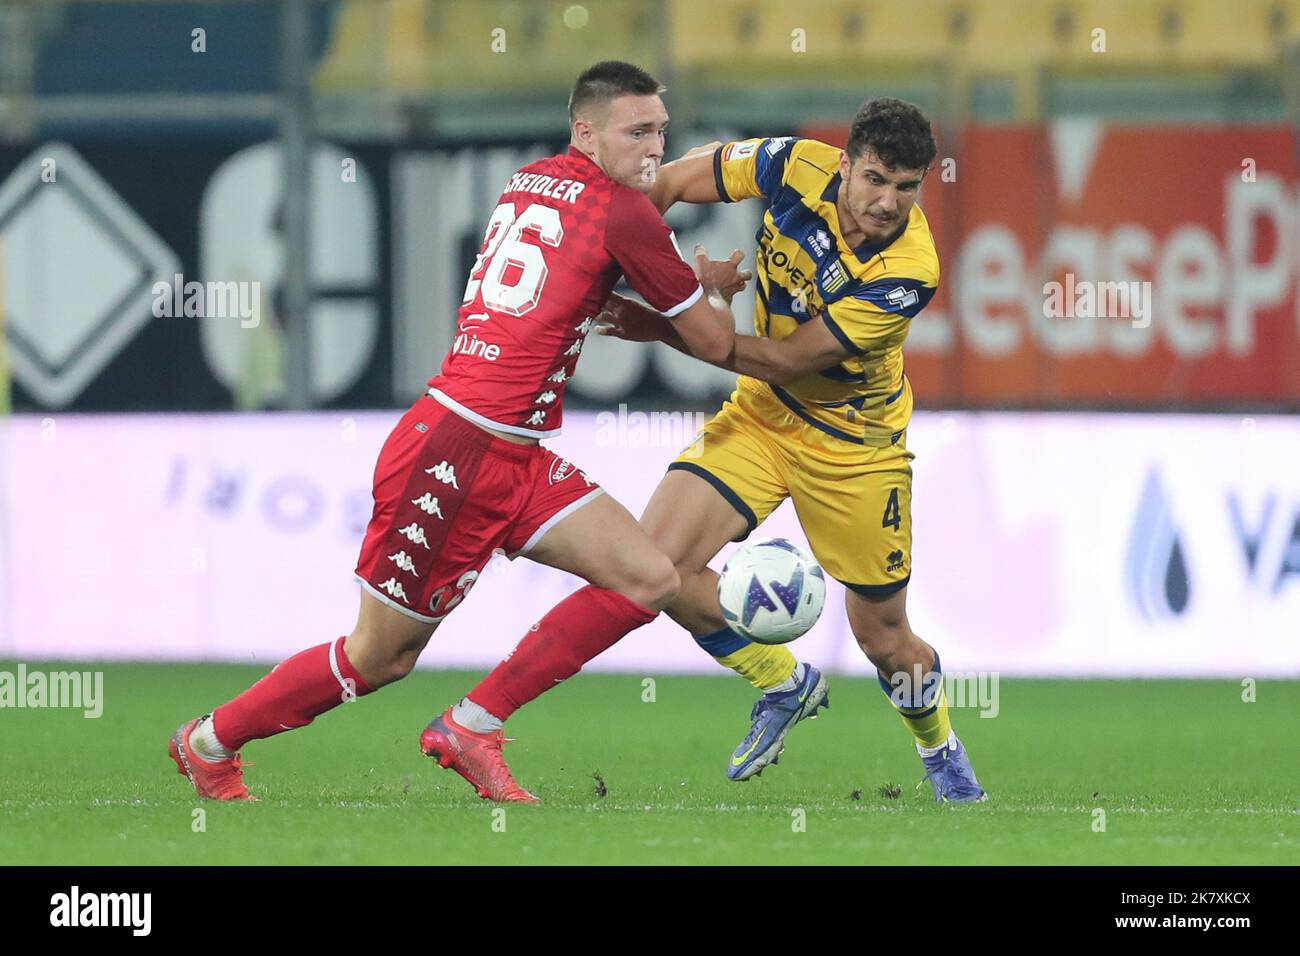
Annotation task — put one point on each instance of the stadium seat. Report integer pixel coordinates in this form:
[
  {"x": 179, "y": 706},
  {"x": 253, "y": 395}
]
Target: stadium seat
[
  {"x": 1245, "y": 33},
  {"x": 712, "y": 39}
]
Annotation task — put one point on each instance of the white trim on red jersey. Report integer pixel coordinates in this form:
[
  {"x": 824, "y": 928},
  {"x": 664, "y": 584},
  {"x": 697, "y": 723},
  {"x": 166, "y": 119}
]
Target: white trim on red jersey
[
  {"x": 470, "y": 415},
  {"x": 690, "y": 301}
]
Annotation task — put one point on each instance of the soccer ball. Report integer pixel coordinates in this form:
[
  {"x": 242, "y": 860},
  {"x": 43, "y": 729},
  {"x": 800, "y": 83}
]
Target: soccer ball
[{"x": 772, "y": 591}]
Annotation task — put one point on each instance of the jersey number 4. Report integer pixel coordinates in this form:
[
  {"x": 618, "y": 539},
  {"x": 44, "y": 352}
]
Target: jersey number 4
[
  {"x": 506, "y": 252},
  {"x": 891, "y": 518}
]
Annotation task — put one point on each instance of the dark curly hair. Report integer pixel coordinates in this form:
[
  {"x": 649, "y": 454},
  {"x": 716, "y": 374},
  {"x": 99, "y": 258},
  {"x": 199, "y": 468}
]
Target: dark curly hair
[{"x": 896, "y": 131}]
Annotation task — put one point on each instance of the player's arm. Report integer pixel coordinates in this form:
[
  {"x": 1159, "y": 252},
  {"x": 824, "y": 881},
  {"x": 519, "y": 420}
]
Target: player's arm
[
  {"x": 811, "y": 348},
  {"x": 695, "y": 329},
  {"x": 849, "y": 327},
  {"x": 707, "y": 329},
  {"x": 688, "y": 179},
  {"x": 729, "y": 172}
]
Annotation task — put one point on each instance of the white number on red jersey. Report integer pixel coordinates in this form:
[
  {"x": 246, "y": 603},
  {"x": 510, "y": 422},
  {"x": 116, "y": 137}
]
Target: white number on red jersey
[{"x": 505, "y": 236}]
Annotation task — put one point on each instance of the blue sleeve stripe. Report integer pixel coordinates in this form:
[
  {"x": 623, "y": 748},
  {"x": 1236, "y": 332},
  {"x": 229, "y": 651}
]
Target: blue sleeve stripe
[
  {"x": 904, "y": 297},
  {"x": 769, "y": 168}
]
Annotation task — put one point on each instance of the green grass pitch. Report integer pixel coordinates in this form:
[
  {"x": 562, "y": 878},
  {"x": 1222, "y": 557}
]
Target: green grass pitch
[{"x": 1186, "y": 772}]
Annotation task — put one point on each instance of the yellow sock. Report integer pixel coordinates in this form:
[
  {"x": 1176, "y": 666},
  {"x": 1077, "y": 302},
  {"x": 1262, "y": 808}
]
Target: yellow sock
[
  {"x": 764, "y": 665},
  {"x": 931, "y": 730},
  {"x": 924, "y": 713}
]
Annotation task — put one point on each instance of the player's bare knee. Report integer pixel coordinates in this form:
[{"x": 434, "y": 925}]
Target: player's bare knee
[
  {"x": 387, "y": 666},
  {"x": 384, "y": 649},
  {"x": 685, "y": 607},
  {"x": 665, "y": 584},
  {"x": 654, "y": 584},
  {"x": 882, "y": 643},
  {"x": 687, "y": 572},
  {"x": 401, "y": 665}
]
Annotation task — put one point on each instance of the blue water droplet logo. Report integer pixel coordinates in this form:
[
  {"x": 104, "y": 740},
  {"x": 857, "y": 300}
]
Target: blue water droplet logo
[{"x": 1159, "y": 582}]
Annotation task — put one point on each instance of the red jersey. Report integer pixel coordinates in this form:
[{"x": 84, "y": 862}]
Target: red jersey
[{"x": 559, "y": 238}]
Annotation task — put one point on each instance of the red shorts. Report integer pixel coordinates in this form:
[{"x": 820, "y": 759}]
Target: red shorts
[{"x": 448, "y": 496}]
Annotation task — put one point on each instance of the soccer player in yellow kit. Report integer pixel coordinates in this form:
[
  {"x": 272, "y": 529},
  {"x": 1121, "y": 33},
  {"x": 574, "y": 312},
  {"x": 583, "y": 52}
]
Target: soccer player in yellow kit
[{"x": 820, "y": 412}]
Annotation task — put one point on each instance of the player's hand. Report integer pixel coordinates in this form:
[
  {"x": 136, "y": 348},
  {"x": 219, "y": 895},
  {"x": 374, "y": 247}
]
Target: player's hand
[
  {"x": 721, "y": 275},
  {"x": 624, "y": 319}
]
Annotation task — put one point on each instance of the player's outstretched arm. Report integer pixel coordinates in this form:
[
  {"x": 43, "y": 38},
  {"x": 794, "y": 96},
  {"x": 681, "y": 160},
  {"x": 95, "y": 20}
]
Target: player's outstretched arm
[
  {"x": 811, "y": 348},
  {"x": 688, "y": 179}
]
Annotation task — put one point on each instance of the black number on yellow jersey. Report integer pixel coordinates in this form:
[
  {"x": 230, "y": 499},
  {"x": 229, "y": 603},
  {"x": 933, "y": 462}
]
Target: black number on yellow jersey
[{"x": 891, "y": 518}]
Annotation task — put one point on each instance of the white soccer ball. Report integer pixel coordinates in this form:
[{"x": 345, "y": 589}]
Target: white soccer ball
[{"x": 772, "y": 591}]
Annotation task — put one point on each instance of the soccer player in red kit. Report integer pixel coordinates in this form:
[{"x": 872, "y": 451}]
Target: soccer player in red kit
[{"x": 463, "y": 476}]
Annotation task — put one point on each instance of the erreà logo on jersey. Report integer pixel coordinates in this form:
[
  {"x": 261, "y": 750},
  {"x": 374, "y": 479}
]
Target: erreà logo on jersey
[{"x": 1158, "y": 581}]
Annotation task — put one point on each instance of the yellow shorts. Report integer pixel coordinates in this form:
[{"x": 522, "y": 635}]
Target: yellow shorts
[{"x": 853, "y": 501}]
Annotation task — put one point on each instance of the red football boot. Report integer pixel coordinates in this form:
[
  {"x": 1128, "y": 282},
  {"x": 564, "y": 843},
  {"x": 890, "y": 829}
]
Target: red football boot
[
  {"x": 476, "y": 757},
  {"x": 216, "y": 780}
]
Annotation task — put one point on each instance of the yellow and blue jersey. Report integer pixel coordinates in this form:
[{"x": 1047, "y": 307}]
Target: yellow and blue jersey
[{"x": 867, "y": 296}]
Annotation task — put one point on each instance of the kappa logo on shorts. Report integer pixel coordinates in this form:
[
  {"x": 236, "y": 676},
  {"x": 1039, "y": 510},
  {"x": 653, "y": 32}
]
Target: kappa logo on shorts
[
  {"x": 403, "y": 562},
  {"x": 895, "y": 559},
  {"x": 414, "y": 533},
  {"x": 545, "y": 398},
  {"x": 536, "y": 418},
  {"x": 445, "y": 473},
  {"x": 394, "y": 587},
  {"x": 429, "y": 505},
  {"x": 560, "y": 376}
]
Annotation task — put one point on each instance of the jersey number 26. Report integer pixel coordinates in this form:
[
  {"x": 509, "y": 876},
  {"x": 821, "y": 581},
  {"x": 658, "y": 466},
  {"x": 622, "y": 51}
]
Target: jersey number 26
[{"x": 503, "y": 247}]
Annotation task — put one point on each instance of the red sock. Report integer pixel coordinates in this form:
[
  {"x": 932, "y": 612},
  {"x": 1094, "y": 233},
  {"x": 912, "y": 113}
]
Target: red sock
[
  {"x": 292, "y": 695},
  {"x": 585, "y": 623}
]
